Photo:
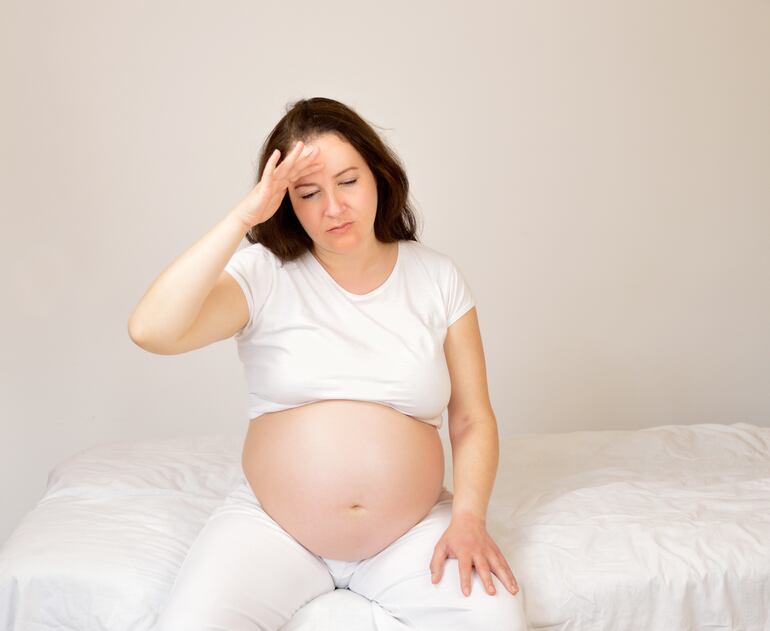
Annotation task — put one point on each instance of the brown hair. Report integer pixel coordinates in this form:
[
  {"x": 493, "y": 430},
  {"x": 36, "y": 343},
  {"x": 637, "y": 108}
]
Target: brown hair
[{"x": 306, "y": 119}]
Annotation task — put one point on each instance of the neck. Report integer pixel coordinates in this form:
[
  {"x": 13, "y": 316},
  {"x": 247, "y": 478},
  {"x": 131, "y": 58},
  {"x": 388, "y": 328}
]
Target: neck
[{"x": 354, "y": 262}]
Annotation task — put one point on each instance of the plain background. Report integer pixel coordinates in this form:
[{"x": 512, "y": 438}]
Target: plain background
[{"x": 599, "y": 170}]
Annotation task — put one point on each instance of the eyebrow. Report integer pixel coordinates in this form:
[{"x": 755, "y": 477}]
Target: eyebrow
[{"x": 314, "y": 184}]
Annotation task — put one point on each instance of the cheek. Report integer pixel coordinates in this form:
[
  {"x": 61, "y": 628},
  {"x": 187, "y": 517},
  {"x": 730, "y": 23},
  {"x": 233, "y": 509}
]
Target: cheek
[
  {"x": 298, "y": 204},
  {"x": 363, "y": 197},
  {"x": 310, "y": 219},
  {"x": 303, "y": 217}
]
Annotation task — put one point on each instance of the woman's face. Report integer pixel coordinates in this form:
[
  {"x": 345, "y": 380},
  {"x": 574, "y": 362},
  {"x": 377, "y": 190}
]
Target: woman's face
[{"x": 336, "y": 194}]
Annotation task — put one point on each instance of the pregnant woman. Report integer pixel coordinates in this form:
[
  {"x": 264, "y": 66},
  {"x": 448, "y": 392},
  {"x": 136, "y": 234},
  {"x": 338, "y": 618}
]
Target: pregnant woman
[{"x": 354, "y": 338}]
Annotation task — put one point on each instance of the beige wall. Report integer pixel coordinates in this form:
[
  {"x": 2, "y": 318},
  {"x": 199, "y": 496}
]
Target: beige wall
[{"x": 599, "y": 170}]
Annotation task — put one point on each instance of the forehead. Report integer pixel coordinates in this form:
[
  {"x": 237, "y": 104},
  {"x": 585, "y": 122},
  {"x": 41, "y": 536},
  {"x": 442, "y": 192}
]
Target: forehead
[
  {"x": 336, "y": 153},
  {"x": 332, "y": 145}
]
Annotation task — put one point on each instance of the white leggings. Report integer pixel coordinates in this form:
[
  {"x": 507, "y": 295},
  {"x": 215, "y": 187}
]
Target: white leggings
[{"x": 244, "y": 572}]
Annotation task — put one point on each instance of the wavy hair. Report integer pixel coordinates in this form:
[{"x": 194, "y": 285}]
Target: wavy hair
[{"x": 306, "y": 119}]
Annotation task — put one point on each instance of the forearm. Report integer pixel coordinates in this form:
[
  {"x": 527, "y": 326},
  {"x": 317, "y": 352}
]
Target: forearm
[
  {"x": 171, "y": 304},
  {"x": 475, "y": 456}
]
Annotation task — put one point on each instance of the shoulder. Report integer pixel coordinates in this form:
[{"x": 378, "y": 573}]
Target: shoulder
[
  {"x": 436, "y": 262},
  {"x": 257, "y": 254},
  {"x": 441, "y": 269},
  {"x": 257, "y": 249}
]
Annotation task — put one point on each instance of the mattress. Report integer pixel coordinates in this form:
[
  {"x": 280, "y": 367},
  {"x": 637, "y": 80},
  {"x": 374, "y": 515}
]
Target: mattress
[{"x": 665, "y": 528}]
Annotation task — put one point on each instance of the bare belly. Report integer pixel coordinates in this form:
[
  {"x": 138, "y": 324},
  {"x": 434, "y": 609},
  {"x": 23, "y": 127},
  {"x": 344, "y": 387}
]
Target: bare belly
[{"x": 344, "y": 478}]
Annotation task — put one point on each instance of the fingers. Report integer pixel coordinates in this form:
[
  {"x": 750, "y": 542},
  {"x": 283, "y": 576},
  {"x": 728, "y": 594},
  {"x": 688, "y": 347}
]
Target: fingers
[
  {"x": 311, "y": 168},
  {"x": 296, "y": 159},
  {"x": 466, "y": 569},
  {"x": 503, "y": 572},
  {"x": 270, "y": 164},
  {"x": 281, "y": 171},
  {"x": 301, "y": 167},
  {"x": 505, "y": 575},
  {"x": 500, "y": 568},
  {"x": 437, "y": 564},
  {"x": 482, "y": 567}
]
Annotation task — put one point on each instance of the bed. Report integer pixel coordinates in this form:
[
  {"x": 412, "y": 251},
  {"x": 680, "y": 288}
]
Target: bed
[{"x": 661, "y": 529}]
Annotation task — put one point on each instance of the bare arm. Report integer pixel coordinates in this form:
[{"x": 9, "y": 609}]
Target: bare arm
[
  {"x": 172, "y": 303},
  {"x": 171, "y": 307}
]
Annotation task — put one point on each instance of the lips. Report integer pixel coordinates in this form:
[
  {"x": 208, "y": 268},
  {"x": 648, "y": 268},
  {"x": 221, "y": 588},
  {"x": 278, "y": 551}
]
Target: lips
[{"x": 340, "y": 226}]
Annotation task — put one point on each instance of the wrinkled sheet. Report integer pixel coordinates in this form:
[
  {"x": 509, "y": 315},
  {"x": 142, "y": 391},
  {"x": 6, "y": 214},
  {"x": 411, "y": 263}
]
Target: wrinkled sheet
[{"x": 665, "y": 528}]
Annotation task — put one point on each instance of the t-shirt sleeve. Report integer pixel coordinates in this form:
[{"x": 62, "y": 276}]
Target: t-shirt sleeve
[
  {"x": 252, "y": 269},
  {"x": 458, "y": 296}
]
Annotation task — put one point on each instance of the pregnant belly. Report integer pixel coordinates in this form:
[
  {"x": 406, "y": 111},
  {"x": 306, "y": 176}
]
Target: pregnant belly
[{"x": 344, "y": 478}]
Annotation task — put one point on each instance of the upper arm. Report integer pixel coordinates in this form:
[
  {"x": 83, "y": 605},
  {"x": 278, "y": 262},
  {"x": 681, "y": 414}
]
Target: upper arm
[
  {"x": 464, "y": 351},
  {"x": 223, "y": 313}
]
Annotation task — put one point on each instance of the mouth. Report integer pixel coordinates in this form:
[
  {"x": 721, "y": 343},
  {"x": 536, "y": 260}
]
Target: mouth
[{"x": 342, "y": 225}]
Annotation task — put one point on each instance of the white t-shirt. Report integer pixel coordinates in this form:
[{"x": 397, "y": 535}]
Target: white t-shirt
[{"x": 308, "y": 339}]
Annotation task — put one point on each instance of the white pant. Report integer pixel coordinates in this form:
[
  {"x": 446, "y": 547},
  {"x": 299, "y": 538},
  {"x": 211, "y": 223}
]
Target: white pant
[{"x": 244, "y": 572}]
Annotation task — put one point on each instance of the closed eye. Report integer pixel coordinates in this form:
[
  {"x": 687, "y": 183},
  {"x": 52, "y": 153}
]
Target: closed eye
[{"x": 313, "y": 193}]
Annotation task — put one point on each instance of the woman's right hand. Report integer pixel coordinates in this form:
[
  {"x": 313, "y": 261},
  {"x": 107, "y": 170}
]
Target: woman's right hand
[{"x": 265, "y": 198}]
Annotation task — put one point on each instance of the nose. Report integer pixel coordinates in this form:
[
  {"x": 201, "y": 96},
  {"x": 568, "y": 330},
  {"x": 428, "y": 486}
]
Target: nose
[{"x": 334, "y": 207}]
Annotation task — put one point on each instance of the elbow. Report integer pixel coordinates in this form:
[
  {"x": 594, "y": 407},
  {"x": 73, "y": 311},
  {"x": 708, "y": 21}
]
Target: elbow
[
  {"x": 135, "y": 333},
  {"x": 138, "y": 338},
  {"x": 149, "y": 344}
]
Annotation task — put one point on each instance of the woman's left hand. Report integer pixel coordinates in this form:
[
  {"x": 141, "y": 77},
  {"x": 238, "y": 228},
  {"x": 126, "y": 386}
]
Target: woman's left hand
[{"x": 468, "y": 541}]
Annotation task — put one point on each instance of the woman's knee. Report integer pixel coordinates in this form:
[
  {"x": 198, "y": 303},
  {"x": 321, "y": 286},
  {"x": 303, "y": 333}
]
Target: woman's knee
[
  {"x": 242, "y": 568},
  {"x": 502, "y": 611}
]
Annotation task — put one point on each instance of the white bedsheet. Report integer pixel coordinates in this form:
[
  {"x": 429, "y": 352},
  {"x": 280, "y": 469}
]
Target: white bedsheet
[{"x": 661, "y": 529}]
